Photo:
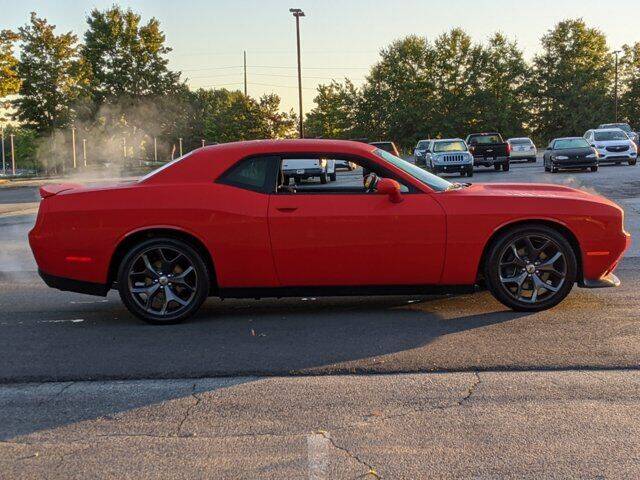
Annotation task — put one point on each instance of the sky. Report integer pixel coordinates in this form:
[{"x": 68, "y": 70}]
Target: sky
[{"x": 340, "y": 38}]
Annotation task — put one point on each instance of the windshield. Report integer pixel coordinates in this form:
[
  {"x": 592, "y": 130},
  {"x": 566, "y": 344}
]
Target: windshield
[
  {"x": 422, "y": 144},
  {"x": 621, "y": 126},
  {"x": 610, "y": 135},
  {"x": 453, "y": 146},
  {"x": 569, "y": 143},
  {"x": 484, "y": 139},
  {"x": 433, "y": 181}
]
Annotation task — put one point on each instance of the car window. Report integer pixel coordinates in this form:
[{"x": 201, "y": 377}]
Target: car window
[
  {"x": 429, "y": 179},
  {"x": 327, "y": 175},
  {"x": 422, "y": 144},
  {"x": 569, "y": 143},
  {"x": 251, "y": 174},
  {"x": 485, "y": 139},
  {"x": 520, "y": 141},
  {"x": 449, "y": 146},
  {"x": 611, "y": 135}
]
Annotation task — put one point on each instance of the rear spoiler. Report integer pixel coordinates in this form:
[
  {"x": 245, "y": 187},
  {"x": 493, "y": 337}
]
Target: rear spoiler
[{"x": 50, "y": 190}]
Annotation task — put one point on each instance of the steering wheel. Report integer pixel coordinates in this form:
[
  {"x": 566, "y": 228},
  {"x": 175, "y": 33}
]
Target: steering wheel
[{"x": 370, "y": 183}]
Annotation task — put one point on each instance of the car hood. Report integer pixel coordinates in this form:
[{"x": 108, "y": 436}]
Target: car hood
[{"x": 533, "y": 190}]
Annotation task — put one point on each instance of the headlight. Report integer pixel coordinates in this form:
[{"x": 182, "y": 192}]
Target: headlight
[
  {"x": 561, "y": 157},
  {"x": 592, "y": 155}
]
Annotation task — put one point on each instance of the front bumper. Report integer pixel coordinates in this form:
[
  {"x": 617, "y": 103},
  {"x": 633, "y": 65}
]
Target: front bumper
[
  {"x": 581, "y": 163},
  {"x": 605, "y": 282},
  {"x": 605, "y": 156},
  {"x": 446, "y": 168}
]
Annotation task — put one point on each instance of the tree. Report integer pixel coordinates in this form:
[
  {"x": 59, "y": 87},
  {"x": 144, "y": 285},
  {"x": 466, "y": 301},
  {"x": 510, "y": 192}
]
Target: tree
[
  {"x": 126, "y": 58},
  {"x": 52, "y": 74},
  {"x": 334, "y": 113},
  {"x": 570, "y": 87},
  {"x": 630, "y": 83},
  {"x": 232, "y": 116},
  {"x": 9, "y": 79},
  {"x": 500, "y": 98}
]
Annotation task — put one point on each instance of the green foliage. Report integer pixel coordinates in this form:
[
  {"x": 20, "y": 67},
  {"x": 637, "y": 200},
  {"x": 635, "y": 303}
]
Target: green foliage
[
  {"x": 571, "y": 84},
  {"x": 630, "y": 83},
  {"x": 229, "y": 116},
  {"x": 52, "y": 76},
  {"x": 125, "y": 57},
  {"x": 25, "y": 142},
  {"x": 333, "y": 116},
  {"x": 9, "y": 79}
]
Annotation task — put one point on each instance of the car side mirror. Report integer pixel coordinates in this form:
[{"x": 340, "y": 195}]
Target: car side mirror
[
  {"x": 593, "y": 145},
  {"x": 387, "y": 186}
]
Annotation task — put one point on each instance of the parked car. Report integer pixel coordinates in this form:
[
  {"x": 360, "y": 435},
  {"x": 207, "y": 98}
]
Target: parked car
[
  {"x": 450, "y": 155},
  {"x": 613, "y": 145},
  {"x": 570, "y": 152},
  {"x": 387, "y": 147},
  {"x": 489, "y": 149},
  {"x": 626, "y": 128},
  {"x": 217, "y": 222},
  {"x": 322, "y": 168},
  {"x": 423, "y": 147},
  {"x": 522, "y": 148}
]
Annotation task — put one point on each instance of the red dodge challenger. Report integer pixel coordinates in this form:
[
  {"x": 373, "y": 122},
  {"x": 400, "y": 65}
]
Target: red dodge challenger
[{"x": 225, "y": 221}]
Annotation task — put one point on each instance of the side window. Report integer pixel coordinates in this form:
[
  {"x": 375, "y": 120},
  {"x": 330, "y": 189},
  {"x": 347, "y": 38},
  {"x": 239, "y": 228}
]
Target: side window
[
  {"x": 254, "y": 173},
  {"x": 326, "y": 175}
]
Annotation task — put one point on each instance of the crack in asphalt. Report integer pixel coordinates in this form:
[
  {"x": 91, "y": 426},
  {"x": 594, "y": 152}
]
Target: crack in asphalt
[
  {"x": 372, "y": 471},
  {"x": 187, "y": 412}
]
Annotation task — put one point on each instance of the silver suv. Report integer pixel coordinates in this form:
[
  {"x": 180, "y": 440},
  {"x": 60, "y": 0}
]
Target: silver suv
[{"x": 450, "y": 155}]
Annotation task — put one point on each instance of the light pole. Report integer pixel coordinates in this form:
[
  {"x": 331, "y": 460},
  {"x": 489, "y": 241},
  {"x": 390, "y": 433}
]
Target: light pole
[
  {"x": 4, "y": 165},
  {"x": 616, "y": 53},
  {"x": 73, "y": 143},
  {"x": 299, "y": 13},
  {"x": 84, "y": 151},
  {"x": 13, "y": 155},
  {"x": 180, "y": 141}
]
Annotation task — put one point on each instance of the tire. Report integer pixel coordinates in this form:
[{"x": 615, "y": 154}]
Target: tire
[
  {"x": 632, "y": 162},
  {"x": 163, "y": 271},
  {"x": 505, "y": 167},
  {"x": 333, "y": 177},
  {"x": 594, "y": 168},
  {"x": 323, "y": 178},
  {"x": 501, "y": 249},
  {"x": 554, "y": 169},
  {"x": 496, "y": 167},
  {"x": 470, "y": 173}
]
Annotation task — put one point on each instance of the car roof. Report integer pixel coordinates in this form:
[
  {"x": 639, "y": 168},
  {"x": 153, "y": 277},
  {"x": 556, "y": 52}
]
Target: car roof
[
  {"x": 448, "y": 140},
  {"x": 519, "y": 138},
  {"x": 568, "y": 138},
  {"x": 608, "y": 130}
]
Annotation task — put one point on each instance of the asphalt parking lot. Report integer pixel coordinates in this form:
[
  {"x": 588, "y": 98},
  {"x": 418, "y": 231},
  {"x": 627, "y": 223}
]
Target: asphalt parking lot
[{"x": 390, "y": 387}]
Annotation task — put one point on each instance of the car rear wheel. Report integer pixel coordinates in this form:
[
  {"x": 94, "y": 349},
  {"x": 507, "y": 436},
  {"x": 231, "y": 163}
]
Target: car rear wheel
[
  {"x": 496, "y": 167},
  {"x": 332, "y": 177},
  {"x": 163, "y": 280},
  {"x": 632, "y": 162},
  {"x": 594, "y": 168},
  {"x": 323, "y": 178},
  {"x": 530, "y": 268},
  {"x": 505, "y": 167}
]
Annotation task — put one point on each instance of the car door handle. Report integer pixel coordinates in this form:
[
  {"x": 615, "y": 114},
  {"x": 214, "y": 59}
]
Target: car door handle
[{"x": 287, "y": 209}]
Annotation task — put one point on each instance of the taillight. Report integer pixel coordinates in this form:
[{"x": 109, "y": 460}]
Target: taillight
[{"x": 508, "y": 148}]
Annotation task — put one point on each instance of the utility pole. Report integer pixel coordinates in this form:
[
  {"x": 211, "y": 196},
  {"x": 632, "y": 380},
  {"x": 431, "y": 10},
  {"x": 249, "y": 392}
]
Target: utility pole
[
  {"x": 616, "y": 53},
  {"x": 245, "y": 74},
  {"x": 73, "y": 143},
  {"x": 180, "y": 140},
  {"x": 299, "y": 13},
  {"x": 4, "y": 165},
  {"x": 155, "y": 149},
  {"x": 124, "y": 148},
  {"x": 13, "y": 155},
  {"x": 203, "y": 140},
  {"x": 84, "y": 151}
]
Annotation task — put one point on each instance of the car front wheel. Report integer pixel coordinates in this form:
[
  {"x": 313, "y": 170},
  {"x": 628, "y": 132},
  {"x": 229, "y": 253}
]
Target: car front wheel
[
  {"x": 530, "y": 268},
  {"x": 163, "y": 280}
]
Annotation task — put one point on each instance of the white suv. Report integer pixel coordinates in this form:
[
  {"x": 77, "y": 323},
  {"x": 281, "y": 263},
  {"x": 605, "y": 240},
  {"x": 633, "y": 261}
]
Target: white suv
[{"x": 613, "y": 145}]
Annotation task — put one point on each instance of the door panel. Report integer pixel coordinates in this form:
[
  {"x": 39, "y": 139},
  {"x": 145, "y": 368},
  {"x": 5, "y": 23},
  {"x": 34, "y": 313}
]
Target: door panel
[{"x": 356, "y": 239}]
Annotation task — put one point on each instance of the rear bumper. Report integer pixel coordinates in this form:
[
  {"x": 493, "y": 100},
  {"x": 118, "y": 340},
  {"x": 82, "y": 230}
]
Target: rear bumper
[
  {"x": 71, "y": 285},
  {"x": 488, "y": 162}
]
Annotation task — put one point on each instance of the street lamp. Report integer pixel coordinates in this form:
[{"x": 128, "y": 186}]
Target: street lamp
[
  {"x": 299, "y": 13},
  {"x": 616, "y": 53}
]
